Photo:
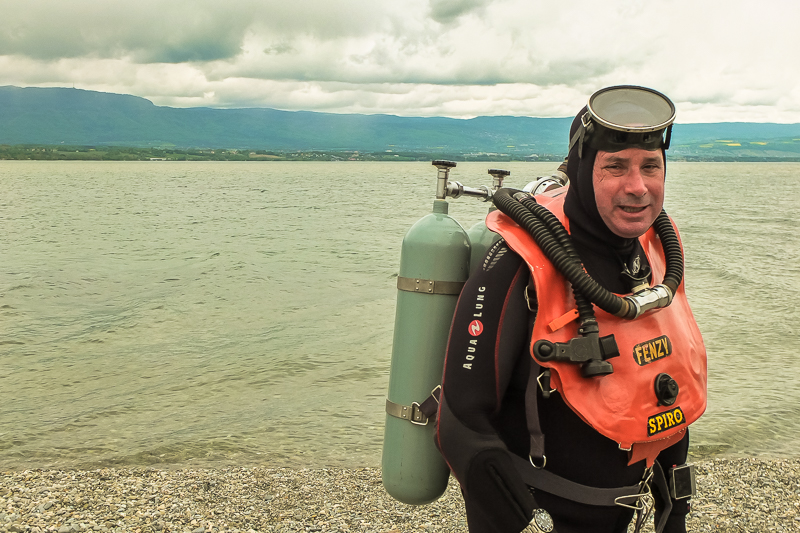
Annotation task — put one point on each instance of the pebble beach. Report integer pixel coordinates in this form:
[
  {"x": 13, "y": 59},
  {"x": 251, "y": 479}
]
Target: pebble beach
[{"x": 734, "y": 495}]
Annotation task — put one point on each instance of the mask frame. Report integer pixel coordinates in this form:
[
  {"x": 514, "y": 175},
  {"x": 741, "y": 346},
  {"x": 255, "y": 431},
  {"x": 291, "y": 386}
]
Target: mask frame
[{"x": 625, "y": 116}]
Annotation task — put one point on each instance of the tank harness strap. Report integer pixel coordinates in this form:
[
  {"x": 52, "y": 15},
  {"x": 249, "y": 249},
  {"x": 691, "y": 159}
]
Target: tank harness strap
[
  {"x": 638, "y": 497},
  {"x": 663, "y": 489},
  {"x": 546, "y": 481},
  {"x": 416, "y": 413},
  {"x": 536, "y": 380},
  {"x": 429, "y": 286},
  {"x": 532, "y": 417}
]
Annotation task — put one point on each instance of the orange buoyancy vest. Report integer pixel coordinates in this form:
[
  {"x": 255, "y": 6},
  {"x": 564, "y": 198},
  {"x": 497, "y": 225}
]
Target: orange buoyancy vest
[{"x": 623, "y": 405}]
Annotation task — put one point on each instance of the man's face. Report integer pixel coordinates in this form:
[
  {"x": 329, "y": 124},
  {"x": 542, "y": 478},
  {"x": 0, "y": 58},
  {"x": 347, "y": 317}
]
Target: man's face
[{"x": 629, "y": 189}]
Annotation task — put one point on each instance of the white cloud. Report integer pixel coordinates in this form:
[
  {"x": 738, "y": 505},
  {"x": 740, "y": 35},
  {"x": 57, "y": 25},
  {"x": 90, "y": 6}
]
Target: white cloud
[{"x": 717, "y": 60}]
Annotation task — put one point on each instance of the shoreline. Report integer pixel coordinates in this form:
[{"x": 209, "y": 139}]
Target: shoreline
[{"x": 734, "y": 494}]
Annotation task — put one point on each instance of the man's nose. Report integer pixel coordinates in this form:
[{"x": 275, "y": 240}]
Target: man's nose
[{"x": 634, "y": 183}]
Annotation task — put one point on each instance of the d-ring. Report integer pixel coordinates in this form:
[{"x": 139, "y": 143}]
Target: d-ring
[{"x": 544, "y": 462}]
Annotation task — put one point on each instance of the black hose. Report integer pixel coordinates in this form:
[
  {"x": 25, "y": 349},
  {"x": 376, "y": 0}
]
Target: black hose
[
  {"x": 586, "y": 315},
  {"x": 553, "y": 239},
  {"x": 556, "y": 254},
  {"x": 672, "y": 251}
]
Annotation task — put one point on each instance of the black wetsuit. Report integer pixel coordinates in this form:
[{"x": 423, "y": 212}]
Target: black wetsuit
[{"x": 482, "y": 414}]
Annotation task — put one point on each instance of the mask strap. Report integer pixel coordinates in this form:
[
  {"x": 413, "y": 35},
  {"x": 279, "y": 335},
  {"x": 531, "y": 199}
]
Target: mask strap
[{"x": 583, "y": 130}]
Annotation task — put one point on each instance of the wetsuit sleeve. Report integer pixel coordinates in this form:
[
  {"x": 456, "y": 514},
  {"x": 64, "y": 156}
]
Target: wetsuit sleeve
[
  {"x": 668, "y": 458},
  {"x": 488, "y": 334}
]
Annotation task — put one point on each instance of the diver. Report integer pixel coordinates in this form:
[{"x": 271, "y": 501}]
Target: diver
[{"x": 575, "y": 421}]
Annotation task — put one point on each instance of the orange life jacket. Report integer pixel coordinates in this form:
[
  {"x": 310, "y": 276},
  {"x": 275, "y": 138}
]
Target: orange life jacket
[{"x": 622, "y": 405}]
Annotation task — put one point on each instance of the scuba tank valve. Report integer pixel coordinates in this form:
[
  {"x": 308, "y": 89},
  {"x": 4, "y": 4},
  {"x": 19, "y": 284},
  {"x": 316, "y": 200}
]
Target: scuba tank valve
[
  {"x": 482, "y": 238},
  {"x": 547, "y": 183}
]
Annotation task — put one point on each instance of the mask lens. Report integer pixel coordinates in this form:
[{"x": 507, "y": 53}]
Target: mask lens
[{"x": 630, "y": 108}]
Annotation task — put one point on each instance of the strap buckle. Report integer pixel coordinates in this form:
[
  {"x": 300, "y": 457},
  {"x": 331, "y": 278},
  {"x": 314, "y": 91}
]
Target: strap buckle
[
  {"x": 417, "y": 416},
  {"x": 416, "y": 413},
  {"x": 586, "y": 119},
  {"x": 435, "y": 394},
  {"x": 642, "y": 502},
  {"x": 413, "y": 413},
  {"x": 531, "y": 300},
  {"x": 545, "y": 376}
]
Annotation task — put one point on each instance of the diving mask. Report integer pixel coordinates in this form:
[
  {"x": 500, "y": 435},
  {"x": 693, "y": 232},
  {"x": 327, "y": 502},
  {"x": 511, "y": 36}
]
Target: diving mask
[{"x": 625, "y": 116}]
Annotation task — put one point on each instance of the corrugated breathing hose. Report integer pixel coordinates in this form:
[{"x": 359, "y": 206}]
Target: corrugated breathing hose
[{"x": 553, "y": 239}]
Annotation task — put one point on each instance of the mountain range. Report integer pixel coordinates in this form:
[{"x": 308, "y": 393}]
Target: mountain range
[{"x": 51, "y": 116}]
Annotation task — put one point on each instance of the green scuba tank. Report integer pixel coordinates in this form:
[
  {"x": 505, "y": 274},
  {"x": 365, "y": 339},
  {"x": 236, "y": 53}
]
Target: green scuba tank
[
  {"x": 434, "y": 264},
  {"x": 436, "y": 259}
]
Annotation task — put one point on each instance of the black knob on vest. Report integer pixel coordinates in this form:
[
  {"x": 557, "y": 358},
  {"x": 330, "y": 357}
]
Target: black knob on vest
[
  {"x": 666, "y": 389},
  {"x": 544, "y": 350}
]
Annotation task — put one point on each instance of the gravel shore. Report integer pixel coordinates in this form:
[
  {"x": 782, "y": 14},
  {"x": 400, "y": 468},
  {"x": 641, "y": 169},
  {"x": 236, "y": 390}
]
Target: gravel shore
[{"x": 734, "y": 495}]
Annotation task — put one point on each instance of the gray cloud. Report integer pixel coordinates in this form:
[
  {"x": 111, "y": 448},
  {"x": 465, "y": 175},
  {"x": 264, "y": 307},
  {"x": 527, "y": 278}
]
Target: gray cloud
[
  {"x": 416, "y": 57},
  {"x": 152, "y": 31},
  {"x": 280, "y": 48},
  {"x": 446, "y": 11},
  {"x": 148, "y": 31}
]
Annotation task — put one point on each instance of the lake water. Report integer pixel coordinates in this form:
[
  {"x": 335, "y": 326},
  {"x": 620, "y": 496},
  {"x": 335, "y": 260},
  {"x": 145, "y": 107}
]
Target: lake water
[{"x": 206, "y": 314}]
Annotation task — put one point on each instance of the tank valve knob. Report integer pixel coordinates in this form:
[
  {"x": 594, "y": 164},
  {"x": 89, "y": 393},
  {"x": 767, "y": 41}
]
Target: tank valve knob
[
  {"x": 443, "y": 177},
  {"x": 666, "y": 389},
  {"x": 498, "y": 176}
]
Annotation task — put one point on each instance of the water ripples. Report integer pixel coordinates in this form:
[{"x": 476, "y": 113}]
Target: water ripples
[{"x": 209, "y": 314}]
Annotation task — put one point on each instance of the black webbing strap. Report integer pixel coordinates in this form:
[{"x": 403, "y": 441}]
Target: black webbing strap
[
  {"x": 532, "y": 415},
  {"x": 581, "y": 133},
  {"x": 643, "y": 512},
  {"x": 546, "y": 481},
  {"x": 661, "y": 482},
  {"x": 531, "y": 390},
  {"x": 430, "y": 406}
]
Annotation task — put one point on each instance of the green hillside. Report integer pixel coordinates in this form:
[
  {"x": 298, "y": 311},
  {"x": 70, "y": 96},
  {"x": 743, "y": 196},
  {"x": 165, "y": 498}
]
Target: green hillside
[{"x": 74, "y": 117}]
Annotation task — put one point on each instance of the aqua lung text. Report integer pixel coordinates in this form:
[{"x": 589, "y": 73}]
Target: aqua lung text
[{"x": 475, "y": 328}]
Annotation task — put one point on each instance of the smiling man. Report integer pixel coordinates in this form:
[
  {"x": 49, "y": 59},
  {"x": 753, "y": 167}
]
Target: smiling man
[
  {"x": 629, "y": 189},
  {"x": 572, "y": 417}
]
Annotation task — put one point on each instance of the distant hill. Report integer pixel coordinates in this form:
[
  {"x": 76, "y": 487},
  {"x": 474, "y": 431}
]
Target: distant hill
[{"x": 78, "y": 117}]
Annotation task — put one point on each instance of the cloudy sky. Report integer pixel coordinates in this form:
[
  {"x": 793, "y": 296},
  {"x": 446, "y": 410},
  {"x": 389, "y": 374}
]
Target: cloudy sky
[{"x": 725, "y": 60}]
